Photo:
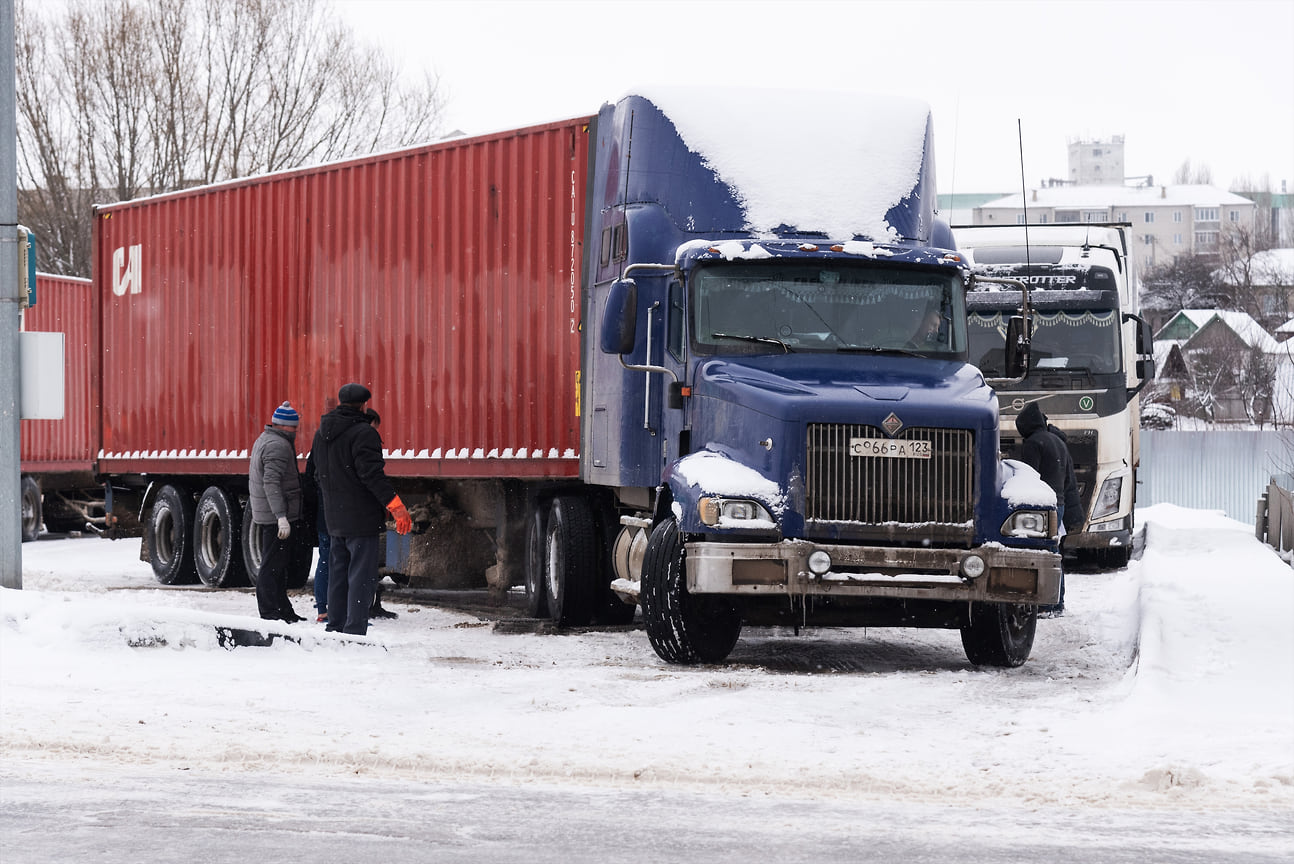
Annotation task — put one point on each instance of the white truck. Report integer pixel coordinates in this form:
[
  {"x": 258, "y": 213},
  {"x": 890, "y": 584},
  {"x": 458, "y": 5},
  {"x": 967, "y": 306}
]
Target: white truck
[{"x": 1090, "y": 358}]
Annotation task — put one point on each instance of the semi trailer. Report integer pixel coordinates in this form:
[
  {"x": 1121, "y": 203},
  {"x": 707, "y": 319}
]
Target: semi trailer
[{"x": 59, "y": 488}]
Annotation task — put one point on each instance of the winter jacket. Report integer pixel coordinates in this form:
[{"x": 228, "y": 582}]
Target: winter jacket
[
  {"x": 311, "y": 500},
  {"x": 1047, "y": 453},
  {"x": 351, "y": 473},
  {"x": 273, "y": 484},
  {"x": 1073, "y": 504}
]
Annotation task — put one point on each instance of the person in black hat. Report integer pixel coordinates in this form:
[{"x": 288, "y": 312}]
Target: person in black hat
[
  {"x": 274, "y": 489},
  {"x": 377, "y": 610},
  {"x": 357, "y": 496},
  {"x": 1045, "y": 449}
]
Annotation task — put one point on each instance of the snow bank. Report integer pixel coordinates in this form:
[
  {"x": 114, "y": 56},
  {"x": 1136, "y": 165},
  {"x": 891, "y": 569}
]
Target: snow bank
[{"x": 1167, "y": 682}]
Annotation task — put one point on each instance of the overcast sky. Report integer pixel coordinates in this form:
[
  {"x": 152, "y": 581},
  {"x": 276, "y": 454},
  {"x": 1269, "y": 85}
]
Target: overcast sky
[{"x": 1212, "y": 82}]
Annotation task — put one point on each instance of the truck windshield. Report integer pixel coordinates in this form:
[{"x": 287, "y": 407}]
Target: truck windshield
[
  {"x": 1076, "y": 340},
  {"x": 785, "y": 306}
]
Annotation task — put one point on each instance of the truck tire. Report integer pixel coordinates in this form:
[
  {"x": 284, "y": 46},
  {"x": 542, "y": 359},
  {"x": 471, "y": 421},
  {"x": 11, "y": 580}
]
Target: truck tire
[
  {"x": 217, "y": 552},
  {"x": 299, "y": 564},
  {"x": 571, "y": 561},
  {"x": 31, "y": 515},
  {"x": 250, "y": 543},
  {"x": 682, "y": 627},
  {"x": 1000, "y": 634},
  {"x": 536, "y": 564},
  {"x": 170, "y": 536}
]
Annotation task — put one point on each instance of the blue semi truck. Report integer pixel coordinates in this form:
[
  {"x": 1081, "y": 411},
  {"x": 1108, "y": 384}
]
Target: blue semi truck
[
  {"x": 704, "y": 352},
  {"x": 779, "y": 423}
]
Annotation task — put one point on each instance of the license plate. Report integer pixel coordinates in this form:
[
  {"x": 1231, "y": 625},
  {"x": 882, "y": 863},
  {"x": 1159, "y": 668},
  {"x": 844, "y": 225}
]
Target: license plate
[{"x": 890, "y": 449}]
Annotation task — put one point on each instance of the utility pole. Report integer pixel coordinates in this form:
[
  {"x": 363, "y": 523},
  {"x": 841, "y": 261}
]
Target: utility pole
[{"x": 10, "y": 309}]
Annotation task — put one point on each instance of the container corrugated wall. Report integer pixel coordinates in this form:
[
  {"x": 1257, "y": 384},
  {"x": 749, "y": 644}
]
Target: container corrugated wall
[
  {"x": 64, "y": 305},
  {"x": 446, "y": 278}
]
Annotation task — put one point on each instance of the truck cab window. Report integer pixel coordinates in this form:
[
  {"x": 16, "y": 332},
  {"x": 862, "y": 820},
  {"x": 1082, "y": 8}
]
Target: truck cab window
[
  {"x": 675, "y": 320},
  {"x": 791, "y": 307}
]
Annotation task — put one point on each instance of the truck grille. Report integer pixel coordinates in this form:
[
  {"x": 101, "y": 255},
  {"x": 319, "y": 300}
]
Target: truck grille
[{"x": 873, "y": 491}]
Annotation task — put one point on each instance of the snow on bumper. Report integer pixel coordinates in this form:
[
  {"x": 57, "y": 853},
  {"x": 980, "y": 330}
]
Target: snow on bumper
[{"x": 1009, "y": 575}]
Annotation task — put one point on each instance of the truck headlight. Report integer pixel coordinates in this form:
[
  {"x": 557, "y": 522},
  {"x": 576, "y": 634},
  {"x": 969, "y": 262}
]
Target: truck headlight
[
  {"x": 734, "y": 513},
  {"x": 1107, "y": 500},
  {"x": 819, "y": 562},
  {"x": 1030, "y": 523}
]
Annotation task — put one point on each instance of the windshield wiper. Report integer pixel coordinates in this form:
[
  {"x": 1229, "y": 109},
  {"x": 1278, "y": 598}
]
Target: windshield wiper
[
  {"x": 861, "y": 349},
  {"x": 786, "y": 349}
]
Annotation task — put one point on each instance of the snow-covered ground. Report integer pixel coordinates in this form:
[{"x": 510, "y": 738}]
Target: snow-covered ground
[{"x": 1168, "y": 683}]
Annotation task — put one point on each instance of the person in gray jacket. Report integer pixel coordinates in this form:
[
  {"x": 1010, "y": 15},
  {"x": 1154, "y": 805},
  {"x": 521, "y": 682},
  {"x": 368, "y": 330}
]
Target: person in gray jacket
[{"x": 274, "y": 487}]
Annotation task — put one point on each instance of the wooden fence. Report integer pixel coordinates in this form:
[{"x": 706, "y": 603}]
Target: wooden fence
[{"x": 1275, "y": 521}]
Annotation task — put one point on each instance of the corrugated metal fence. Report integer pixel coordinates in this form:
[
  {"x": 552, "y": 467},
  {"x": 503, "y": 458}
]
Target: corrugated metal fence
[{"x": 1215, "y": 470}]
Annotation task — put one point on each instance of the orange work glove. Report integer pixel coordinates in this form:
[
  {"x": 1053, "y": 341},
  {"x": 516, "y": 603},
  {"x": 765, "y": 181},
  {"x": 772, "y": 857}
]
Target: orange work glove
[{"x": 403, "y": 524}]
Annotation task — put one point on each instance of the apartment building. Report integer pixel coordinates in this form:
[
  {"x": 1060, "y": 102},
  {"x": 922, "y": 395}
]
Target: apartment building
[{"x": 1167, "y": 221}]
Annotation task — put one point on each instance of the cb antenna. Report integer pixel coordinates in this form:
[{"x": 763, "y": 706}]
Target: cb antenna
[
  {"x": 1024, "y": 194},
  {"x": 624, "y": 203}
]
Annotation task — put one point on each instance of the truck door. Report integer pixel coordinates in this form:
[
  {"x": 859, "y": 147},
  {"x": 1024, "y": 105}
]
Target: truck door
[{"x": 668, "y": 414}]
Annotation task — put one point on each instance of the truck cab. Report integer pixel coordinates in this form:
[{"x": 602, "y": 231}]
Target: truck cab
[
  {"x": 782, "y": 400},
  {"x": 1090, "y": 358}
]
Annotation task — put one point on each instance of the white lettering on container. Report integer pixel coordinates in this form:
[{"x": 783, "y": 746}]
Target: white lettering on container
[{"x": 127, "y": 274}]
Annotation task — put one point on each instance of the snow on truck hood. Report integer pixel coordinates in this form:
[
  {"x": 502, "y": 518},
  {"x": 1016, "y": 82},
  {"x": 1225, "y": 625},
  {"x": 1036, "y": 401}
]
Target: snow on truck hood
[
  {"x": 836, "y": 161},
  {"x": 803, "y": 386}
]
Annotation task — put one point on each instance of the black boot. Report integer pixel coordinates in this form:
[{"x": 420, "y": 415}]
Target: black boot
[{"x": 376, "y": 610}]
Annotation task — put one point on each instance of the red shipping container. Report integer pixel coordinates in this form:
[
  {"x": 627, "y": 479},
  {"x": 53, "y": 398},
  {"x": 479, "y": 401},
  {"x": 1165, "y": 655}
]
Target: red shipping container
[
  {"x": 65, "y": 305},
  {"x": 446, "y": 278}
]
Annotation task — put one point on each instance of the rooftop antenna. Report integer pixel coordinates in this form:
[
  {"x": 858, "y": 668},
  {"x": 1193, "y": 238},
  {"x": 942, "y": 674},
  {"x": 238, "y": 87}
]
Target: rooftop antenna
[
  {"x": 1024, "y": 194},
  {"x": 624, "y": 203},
  {"x": 952, "y": 195}
]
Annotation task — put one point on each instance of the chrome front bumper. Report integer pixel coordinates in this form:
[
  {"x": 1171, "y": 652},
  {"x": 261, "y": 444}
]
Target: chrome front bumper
[{"x": 1009, "y": 575}]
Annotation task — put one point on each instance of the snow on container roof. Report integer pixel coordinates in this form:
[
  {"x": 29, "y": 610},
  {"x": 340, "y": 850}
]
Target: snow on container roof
[{"x": 833, "y": 162}]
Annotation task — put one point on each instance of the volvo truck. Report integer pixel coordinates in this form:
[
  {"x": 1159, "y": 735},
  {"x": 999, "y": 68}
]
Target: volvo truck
[{"x": 1091, "y": 356}]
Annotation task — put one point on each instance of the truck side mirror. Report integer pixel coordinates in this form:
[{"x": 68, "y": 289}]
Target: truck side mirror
[
  {"x": 620, "y": 318},
  {"x": 1017, "y": 347},
  {"x": 1145, "y": 353}
]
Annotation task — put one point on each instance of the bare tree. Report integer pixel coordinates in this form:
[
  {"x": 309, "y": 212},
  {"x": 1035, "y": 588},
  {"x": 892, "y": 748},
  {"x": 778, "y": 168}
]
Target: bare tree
[
  {"x": 1230, "y": 380},
  {"x": 1255, "y": 280},
  {"x": 1188, "y": 175},
  {"x": 1187, "y": 282},
  {"x": 122, "y": 98}
]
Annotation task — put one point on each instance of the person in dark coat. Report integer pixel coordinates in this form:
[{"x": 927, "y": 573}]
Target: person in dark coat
[
  {"x": 377, "y": 610},
  {"x": 1072, "y": 516},
  {"x": 1047, "y": 452},
  {"x": 357, "y": 497},
  {"x": 313, "y": 504},
  {"x": 274, "y": 490}
]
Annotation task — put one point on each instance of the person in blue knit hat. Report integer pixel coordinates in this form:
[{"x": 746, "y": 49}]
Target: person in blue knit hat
[{"x": 274, "y": 488}]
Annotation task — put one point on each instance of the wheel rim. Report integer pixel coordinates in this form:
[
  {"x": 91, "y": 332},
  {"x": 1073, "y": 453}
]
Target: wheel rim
[
  {"x": 28, "y": 512},
  {"x": 554, "y": 565},
  {"x": 534, "y": 543},
  {"x": 164, "y": 536},
  {"x": 211, "y": 531},
  {"x": 254, "y": 553}
]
